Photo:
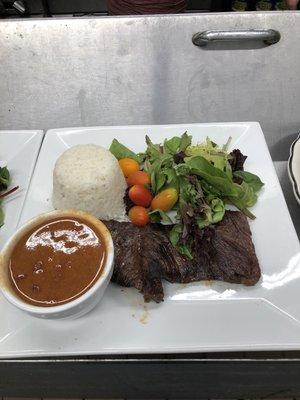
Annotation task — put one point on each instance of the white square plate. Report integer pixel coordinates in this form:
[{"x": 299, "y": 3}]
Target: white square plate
[
  {"x": 19, "y": 151},
  {"x": 195, "y": 317}
]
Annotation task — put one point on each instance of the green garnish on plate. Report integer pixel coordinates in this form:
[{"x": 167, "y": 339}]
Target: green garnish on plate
[
  {"x": 206, "y": 176},
  {"x": 4, "y": 183}
]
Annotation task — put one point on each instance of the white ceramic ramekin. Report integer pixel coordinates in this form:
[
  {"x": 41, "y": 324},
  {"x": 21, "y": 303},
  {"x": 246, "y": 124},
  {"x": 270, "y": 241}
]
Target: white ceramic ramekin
[{"x": 80, "y": 305}]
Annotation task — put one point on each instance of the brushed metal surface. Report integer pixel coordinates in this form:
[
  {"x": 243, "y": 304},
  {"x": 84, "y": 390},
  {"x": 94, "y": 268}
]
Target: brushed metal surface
[
  {"x": 267, "y": 36},
  {"x": 145, "y": 70}
]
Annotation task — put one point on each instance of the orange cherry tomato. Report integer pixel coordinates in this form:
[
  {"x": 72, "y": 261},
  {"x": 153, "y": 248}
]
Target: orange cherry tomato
[
  {"x": 139, "y": 216},
  {"x": 165, "y": 200},
  {"x": 138, "y": 178},
  {"x": 128, "y": 166},
  {"x": 140, "y": 196}
]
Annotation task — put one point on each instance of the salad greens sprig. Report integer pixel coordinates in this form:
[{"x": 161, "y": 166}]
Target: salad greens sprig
[
  {"x": 4, "y": 178},
  {"x": 206, "y": 178},
  {"x": 4, "y": 183}
]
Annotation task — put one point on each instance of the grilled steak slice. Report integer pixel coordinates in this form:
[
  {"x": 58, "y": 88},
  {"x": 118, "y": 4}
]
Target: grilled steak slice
[
  {"x": 145, "y": 256},
  {"x": 235, "y": 259},
  {"x": 133, "y": 266}
]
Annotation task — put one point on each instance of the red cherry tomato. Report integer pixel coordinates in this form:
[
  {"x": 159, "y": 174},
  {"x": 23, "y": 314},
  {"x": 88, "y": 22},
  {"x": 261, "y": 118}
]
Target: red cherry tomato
[
  {"x": 139, "y": 216},
  {"x": 140, "y": 196},
  {"x": 128, "y": 166},
  {"x": 138, "y": 178}
]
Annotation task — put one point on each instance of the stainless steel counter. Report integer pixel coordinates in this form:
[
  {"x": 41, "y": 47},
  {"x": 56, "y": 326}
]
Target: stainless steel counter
[{"x": 146, "y": 70}]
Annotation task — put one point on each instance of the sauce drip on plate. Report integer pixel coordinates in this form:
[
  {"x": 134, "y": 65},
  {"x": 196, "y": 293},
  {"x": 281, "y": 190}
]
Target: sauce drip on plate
[{"x": 56, "y": 262}]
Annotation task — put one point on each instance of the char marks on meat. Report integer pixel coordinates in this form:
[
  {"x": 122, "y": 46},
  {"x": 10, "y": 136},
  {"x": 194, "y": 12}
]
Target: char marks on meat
[{"x": 145, "y": 256}]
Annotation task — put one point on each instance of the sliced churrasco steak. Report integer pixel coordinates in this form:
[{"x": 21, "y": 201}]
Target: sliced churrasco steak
[{"x": 145, "y": 256}]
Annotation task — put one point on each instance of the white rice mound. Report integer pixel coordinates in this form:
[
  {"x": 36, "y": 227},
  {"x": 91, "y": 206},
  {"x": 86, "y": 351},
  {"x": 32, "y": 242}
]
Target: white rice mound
[{"x": 89, "y": 178}]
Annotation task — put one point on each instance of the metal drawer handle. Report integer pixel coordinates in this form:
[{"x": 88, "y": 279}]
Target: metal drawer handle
[{"x": 268, "y": 36}]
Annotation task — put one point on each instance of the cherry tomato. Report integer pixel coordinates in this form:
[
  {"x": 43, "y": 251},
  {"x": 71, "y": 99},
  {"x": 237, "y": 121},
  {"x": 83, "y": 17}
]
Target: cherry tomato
[
  {"x": 128, "y": 166},
  {"x": 138, "y": 178},
  {"x": 165, "y": 200},
  {"x": 140, "y": 196},
  {"x": 139, "y": 216}
]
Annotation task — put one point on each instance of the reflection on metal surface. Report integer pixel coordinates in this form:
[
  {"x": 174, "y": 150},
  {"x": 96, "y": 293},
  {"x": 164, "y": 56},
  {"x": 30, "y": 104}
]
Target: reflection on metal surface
[
  {"x": 268, "y": 36},
  {"x": 290, "y": 273},
  {"x": 19, "y": 6}
]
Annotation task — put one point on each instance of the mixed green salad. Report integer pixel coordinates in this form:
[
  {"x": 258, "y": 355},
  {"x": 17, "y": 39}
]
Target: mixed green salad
[
  {"x": 4, "y": 183},
  {"x": 206, "y": 178}
]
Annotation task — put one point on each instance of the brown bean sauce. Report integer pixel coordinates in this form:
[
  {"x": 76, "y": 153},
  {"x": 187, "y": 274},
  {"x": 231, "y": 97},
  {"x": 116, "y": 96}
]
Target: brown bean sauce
[{"x": 56, "y": 262}]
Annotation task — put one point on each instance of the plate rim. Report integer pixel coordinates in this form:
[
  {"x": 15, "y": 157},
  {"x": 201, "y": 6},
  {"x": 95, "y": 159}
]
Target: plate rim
[
  {"x": 101, "y": 127},
  {"x": 293, "y": 180}
]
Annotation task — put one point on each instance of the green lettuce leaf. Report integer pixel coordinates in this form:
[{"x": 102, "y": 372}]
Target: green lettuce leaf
[
  {"x": 175, "y": 235},
  {"x": 184, "y": 250},
  {"x": 154, "y": 151},
  {"x": 212, "y": 153},
  {"x": 4, "y": 178},
  {"x": 160, "y": 216},
  {"x": 171, "y": 178},
  {"x": 182, "y": 169},
  {"x": 177, "y": 144},
  {"x": 186, "y": 141},
  {"x": 213, "y": 212},
  {"x": 218, "y": 210},
  {"x": 121, "y": 151},
  {"x": 251, "y": 179},
  {"x": 188, "y": 192},
  {"x": 242, "y": 196},
  {"x": 245, "y": 199},
  {"x": 171, "y": 146},
  {"x": 212, "y": 175},
  {"x": 157, "y": 177}
]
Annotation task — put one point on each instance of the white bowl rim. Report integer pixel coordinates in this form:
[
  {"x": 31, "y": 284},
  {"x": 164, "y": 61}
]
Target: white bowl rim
[
  {"x": 38, "y": 310},
  {"x": 293, "y": 180}
]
